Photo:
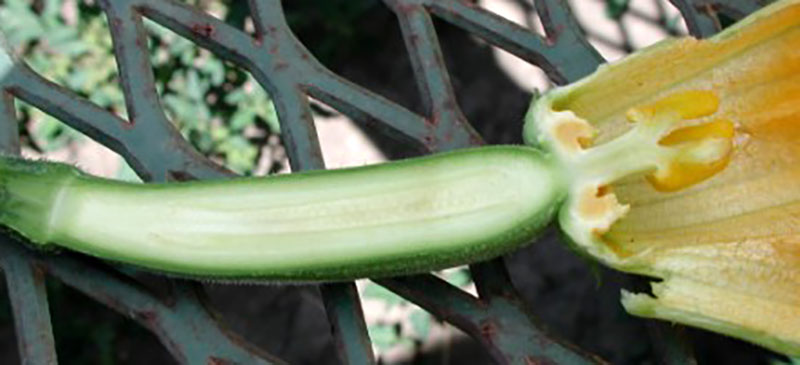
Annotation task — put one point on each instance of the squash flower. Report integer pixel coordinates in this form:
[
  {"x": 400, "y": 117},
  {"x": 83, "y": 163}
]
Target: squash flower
[{"x": 684, "y": 162}]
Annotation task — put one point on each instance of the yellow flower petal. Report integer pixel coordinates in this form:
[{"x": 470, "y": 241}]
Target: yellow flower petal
[{"x": 720, "y": 225}]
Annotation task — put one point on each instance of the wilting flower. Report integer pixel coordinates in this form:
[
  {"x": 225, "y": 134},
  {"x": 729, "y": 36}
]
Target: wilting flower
[{"x": 685, "y": 166}]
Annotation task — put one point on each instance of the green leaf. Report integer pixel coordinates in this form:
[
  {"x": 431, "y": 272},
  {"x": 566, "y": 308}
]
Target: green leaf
[
  {"x": 616, "y": 8},
  {"x": 789, "y": 361},
  {"x": 242, "y": 118},
  {"x": 195, "y": 89},
  {"x": 22, "y": 26},
  {"x": 270, "y": 116},
  {"x": 673, "y": 23},
  {"x": 51, "y": 9},
  {"x": 215, "y": 70},
  {"x": 383, "y": 336},
  {"x": 241, "y": 160},
  {"x": 236, "y": 96},
  {"x": 108, "y": 96},
  {"x": 73, "y": 47},
  {"x": 77, "y": 79},
  {"x": 459, "y": 277},
  {"x": 126, "y": 173},
  {"x": 376, "y": 291},
  {"x": 48, "y": 128},
  {"x": 421, "y": 323},
  {"x": 182, "y": 109}
]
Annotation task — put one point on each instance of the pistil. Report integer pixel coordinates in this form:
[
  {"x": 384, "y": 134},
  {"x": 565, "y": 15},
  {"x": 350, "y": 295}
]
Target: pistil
[{"x": 674, "y": 142}]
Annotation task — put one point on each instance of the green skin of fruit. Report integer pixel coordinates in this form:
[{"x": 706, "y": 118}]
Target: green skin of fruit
[{"x": 396, "y": 218}]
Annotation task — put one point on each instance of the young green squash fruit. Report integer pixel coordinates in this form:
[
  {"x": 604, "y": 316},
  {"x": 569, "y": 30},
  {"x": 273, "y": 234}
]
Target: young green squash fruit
[{"x": 402, "y": 217}]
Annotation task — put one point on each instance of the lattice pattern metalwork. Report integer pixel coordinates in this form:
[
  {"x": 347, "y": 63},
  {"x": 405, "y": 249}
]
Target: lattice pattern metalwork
[{"x": 497, "y": 318}]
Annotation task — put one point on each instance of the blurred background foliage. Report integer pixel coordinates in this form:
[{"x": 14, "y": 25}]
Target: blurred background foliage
[{"x": 218, "y": 107}]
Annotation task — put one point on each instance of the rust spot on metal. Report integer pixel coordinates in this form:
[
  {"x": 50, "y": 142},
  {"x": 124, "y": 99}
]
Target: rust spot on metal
[
  {"x": 39, "y": 271},
  {"x": 429, "y": 142},
  {"x": 434, "y": 119},
  {"x": 708, "y": 8},
  {"x": 553, "y": 34},
  {"x": 212, "y": 360},
  {"x": 115, "y": 22},
  {"x": 203, "y": 29},
  {"x": 148, "y": 317},
  {"x": 488, "y": 330},
  {"x": 258, "y": 40},
  {"x": 280, "y": 66},
  {"x": 449, "y": 104},
  {"x": 468, "y": 3},
  {"x": 273, "y": 49},
  {"x": 532, "y": 360},
  {"x": 272, "y": 31},
  {"x": 448, "y": 135},
  {"x": 403, "y": 7},
  {"x": 176, "y": 175},
  {"x": 475, "y": 140}
]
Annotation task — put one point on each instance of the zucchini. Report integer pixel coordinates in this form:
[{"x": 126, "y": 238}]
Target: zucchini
[{"x": 395, "y": 218}]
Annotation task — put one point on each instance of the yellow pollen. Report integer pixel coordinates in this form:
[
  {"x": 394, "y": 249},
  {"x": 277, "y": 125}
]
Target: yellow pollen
[
  {"x": 691, "y": 154},
  {"x": 680, "y": 174},
  {"x": 720, "y": 128}
]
